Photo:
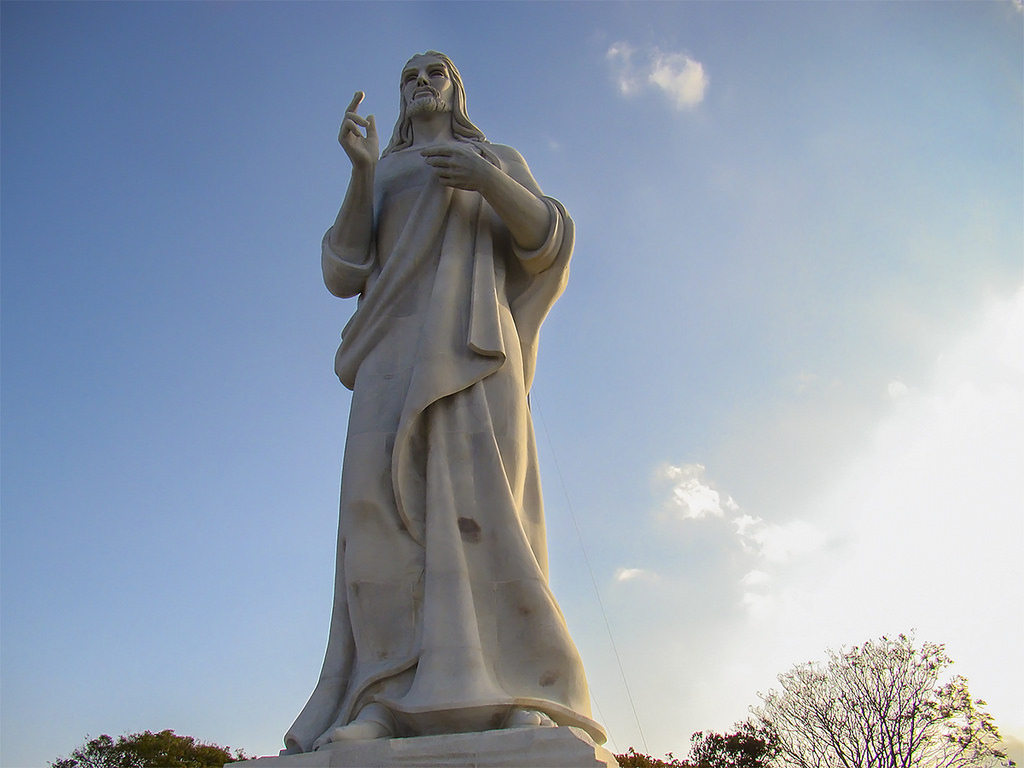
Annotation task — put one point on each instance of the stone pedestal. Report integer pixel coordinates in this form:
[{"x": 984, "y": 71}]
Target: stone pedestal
[{"x": 509, "y": 748}]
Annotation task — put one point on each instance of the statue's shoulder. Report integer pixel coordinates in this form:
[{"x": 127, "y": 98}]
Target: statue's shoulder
[
  {"x": 506, "y": 153},
  {"x": 514, "y": 164}
]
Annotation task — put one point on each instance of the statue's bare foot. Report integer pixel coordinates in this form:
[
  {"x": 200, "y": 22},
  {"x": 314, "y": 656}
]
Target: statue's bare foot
[
  {"x": 373, "y": 722},
  {"x": 528, "y": 718}
]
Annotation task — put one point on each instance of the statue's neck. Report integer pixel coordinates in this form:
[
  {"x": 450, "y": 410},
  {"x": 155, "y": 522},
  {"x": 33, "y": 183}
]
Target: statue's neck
[{"x": 431, "y": 128}]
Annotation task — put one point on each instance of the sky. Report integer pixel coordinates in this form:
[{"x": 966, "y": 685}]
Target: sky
[{"x": 780, "y": 407}]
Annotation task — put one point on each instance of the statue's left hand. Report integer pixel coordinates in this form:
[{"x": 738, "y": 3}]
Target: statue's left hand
[{"x": 460, "y": 166}]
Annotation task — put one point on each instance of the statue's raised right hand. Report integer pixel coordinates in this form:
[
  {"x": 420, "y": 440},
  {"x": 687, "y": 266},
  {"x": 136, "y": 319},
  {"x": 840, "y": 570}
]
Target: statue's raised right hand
[{"x": 362, "y": 150}]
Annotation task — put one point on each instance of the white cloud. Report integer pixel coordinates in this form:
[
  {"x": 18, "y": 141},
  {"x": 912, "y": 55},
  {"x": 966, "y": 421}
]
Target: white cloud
[
  {"x": 680, "y": 77},
  {"x": 897, "y": 389},
  {"x": 925, "y": 528},
  {"x": 621, "y": 57},
  {"x": 745, "y": 524},
  {"x": 922, "y": 528},
  {"x": 805, "y": 381},
  {"x": 782, "y": 543},
  {"x": 754, "y": 578},
  {"x": 634, "y": 574},
  {"x": 691, "y": 496}
]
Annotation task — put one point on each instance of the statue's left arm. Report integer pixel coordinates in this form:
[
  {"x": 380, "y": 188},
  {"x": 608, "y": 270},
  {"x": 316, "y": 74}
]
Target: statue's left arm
[{"x": 513, "y": 195}]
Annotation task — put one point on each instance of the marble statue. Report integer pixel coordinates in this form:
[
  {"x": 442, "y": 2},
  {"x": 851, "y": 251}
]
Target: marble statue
[{"x": 443, "y": 619}]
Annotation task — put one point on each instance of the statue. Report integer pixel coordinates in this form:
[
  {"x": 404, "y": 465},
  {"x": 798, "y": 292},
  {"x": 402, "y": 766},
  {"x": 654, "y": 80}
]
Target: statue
[{"x": 443, "y": 620}]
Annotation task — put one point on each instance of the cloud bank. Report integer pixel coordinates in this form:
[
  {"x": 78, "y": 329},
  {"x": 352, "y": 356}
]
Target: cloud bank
[
  {"x": 691, "y": 495},
  {"x": 922, "y": 530},
  {"x": 678, "y": 76}
]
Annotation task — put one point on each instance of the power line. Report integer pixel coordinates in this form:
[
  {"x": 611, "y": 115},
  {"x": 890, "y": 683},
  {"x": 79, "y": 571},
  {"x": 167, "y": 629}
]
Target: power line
[{"x": 590, "y": 570}]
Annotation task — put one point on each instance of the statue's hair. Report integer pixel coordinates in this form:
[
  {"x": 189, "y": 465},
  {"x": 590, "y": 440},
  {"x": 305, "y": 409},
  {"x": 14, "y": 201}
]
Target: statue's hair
[{"x": 462, "y": 126}]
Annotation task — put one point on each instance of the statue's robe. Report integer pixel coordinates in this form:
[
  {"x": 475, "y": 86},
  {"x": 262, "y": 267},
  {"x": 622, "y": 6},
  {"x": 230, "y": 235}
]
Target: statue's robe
[{"x": 442, "y": 609}]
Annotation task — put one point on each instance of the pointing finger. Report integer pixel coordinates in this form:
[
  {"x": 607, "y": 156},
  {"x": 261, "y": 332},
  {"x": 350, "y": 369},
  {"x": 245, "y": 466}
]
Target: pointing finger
[{"x": 356, "y": 100}]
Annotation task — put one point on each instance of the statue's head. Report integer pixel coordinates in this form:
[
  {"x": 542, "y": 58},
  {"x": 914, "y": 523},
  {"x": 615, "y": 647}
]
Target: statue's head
[{"x": 449, "y": 97}]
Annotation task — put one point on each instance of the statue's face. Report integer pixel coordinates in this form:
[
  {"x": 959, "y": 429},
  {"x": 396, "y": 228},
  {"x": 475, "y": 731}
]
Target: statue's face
[{"x": 426, "y": 86}]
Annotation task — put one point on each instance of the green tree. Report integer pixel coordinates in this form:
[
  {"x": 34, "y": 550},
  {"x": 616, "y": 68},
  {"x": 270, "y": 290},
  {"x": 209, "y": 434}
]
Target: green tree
[
  {"x": 148, "y": 750},
  {"x": 879, "y": 705},
  {"x": 749, "y": 747},
  {"x": 634, "y": 759}
]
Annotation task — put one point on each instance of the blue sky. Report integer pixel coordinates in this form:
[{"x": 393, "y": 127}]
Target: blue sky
[{"x": 782, "y": 398}]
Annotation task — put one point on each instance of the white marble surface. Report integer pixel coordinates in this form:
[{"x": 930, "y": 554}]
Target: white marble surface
[
  {"x": 520, "y": 747},
  {"x": 443, "y": 619}
]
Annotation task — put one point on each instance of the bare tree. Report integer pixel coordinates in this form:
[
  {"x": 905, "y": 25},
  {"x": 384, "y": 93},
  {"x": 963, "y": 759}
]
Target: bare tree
[{"x": 880, "y": 705}]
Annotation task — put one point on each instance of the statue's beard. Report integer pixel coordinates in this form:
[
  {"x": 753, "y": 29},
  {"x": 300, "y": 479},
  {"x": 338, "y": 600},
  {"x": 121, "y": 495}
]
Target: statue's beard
[{"x": 427, "y": 105}]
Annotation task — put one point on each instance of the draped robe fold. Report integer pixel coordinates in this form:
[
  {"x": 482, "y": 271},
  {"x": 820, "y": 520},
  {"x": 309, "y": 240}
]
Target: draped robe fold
[{"x": 442, "y": 609}]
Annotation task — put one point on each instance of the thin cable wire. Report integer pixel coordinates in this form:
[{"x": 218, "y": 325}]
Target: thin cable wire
[{"x": 590, "y": 570}]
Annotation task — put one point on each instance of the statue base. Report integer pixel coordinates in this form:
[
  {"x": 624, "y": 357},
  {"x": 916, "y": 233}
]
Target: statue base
[{"x": 561, "y": 747}]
